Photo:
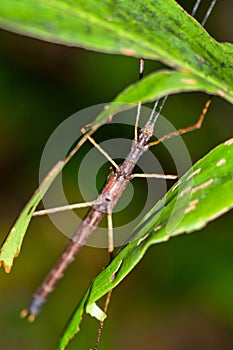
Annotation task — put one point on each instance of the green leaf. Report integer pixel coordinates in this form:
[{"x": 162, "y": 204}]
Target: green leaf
[
  {"x": 188, "y": 206},
  {"x": 12, "y": 245},
  {"x": 228, "y": 48},
  {"x": 95, "y": 311},
  {"x": 154, "y": 86},
  {"x": 74, "y": 322},
  {"x": 159, "y": 30}
]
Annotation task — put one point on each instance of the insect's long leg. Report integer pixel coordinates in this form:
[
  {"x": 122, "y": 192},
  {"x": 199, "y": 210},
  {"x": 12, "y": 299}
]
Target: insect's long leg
[
  {"x": 63, "y": 208},
  {"x": 107, "y": 301},
  {"x": 110, "y": 233},
  {"x": 185, "y": 130},
  {"x": 155, "y": 176},
  {"x": 78, "y": 205},
  {"x": 100, "y": 329},
  {"x": 109, "y": 158},
  {"x": 141, "y": 71}
]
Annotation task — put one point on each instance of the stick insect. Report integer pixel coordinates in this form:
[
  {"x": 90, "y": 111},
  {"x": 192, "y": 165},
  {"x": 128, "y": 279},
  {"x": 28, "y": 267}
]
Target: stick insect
[{"x": 115, "y": 185}]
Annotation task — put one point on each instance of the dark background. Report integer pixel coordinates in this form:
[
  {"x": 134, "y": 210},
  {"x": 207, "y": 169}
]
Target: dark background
[{"x": 180, "y": 295}]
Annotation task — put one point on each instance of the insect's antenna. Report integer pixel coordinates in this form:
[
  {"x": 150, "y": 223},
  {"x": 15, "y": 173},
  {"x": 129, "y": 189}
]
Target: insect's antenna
[
  {"x": 195, "y": 8},
  {"x": 208, "y": 12},
  {"x": 141, "y": 71},
  {"x": 160, "y": 109},
  {"x": 154, "y": 114}
]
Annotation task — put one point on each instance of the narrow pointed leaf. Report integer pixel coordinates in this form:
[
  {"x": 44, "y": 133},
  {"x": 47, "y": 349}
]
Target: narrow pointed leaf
[
  {"x": 204, "y": 193},
  {"x": 74, "y": 323},
  {"x": 12, "y": 245}
]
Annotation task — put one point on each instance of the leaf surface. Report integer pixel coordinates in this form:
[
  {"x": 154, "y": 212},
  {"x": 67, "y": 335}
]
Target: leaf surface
[
  {"x": 153, "y": 86},
  {"x": 188, "y": 206},
  {"x": 159, "y": 30}
]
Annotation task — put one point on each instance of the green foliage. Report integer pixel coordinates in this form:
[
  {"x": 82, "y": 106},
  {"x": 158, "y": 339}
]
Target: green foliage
[
  {"x": 154, "y": 86},
  {"x": 12, "y": 245},
  {"x": 158, "y": 30},
  {"x": 204, "y": 193}
]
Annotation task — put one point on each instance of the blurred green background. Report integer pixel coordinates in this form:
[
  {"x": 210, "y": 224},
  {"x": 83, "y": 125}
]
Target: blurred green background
[{"x": 180, "y": 295}]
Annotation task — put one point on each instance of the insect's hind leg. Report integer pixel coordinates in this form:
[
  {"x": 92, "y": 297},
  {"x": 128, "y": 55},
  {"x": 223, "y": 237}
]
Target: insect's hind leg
[{"x": 195, "y": 126}]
